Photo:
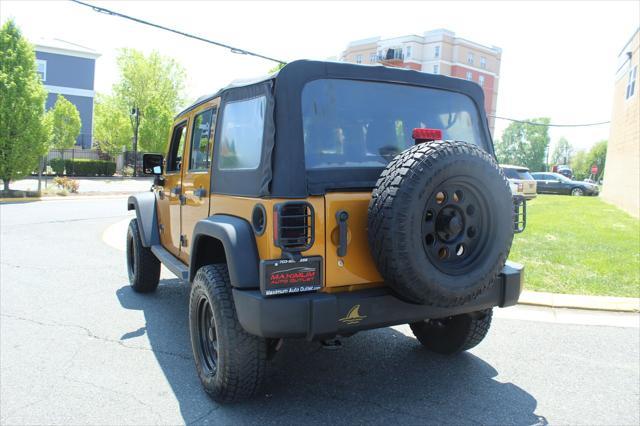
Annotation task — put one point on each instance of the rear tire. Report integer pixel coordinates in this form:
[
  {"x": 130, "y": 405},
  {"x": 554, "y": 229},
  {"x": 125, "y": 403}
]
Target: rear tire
[
  {"x": 143, "y": 266},
  {"x": 453, "y": 334},
  {"x": 230, "y": 362}
]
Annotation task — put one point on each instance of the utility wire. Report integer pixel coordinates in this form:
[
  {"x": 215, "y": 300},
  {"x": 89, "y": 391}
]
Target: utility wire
[
  {"x": 141, "y": 21},
  {"x": 549, "y": 125}
]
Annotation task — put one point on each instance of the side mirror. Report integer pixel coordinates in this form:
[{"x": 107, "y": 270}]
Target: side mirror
[{"x": 152, "y": 164}]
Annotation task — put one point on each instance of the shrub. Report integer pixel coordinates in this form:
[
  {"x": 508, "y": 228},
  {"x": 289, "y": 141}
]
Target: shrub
[
  {"x": 84, "y": 167},
  {"x": 127, "y": 171},
  {"x": 66, "y": 184},
  {"x": 57, "y": 165}
]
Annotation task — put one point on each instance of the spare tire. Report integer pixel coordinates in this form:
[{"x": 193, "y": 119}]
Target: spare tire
[{"x": 440, "y": 223}]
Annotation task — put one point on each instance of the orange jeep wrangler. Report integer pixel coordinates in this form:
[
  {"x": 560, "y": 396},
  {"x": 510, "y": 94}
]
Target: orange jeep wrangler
[{"x": 324, "y": 200}]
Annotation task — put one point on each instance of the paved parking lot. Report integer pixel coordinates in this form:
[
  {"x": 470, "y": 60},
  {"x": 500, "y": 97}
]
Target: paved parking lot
[{"x": 77, "y": 346}]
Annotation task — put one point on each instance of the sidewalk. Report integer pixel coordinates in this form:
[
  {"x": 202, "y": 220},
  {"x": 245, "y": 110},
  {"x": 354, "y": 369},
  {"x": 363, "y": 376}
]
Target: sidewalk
[{"x": 92, "y": 186}]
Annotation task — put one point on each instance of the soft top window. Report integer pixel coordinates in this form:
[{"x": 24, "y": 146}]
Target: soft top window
[
  {"x": 350, "y": 123},
  {"x": 241, "y": 135}
]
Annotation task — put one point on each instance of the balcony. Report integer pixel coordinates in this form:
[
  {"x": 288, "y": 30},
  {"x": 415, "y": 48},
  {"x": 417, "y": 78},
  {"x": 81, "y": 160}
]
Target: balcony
[{"x": 391, "y": 57}]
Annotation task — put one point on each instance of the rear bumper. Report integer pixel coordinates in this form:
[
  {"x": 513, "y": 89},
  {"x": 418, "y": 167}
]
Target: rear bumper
[{"x": 321, "y": 315}]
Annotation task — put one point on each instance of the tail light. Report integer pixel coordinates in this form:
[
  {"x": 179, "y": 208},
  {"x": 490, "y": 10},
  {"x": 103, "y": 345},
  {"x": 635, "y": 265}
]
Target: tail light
[
  {"x": 426, "y": 135},
  {"x": 293, "y": 226}
]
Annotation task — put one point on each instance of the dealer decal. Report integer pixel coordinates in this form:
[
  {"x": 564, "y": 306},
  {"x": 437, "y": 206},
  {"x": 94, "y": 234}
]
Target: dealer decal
[{"x": 286, "y": 276}]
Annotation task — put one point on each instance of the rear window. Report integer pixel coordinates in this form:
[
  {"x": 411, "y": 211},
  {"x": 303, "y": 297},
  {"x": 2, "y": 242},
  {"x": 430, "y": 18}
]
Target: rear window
[
  {"x": 349, "y": 123},
  {"x": 517, "y": 174}
]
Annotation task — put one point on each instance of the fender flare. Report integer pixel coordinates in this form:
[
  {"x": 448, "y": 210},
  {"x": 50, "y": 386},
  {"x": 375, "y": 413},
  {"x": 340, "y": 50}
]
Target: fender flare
[
  {"x": 145, "y": 206},
  {"x": 237, "y": 238}
]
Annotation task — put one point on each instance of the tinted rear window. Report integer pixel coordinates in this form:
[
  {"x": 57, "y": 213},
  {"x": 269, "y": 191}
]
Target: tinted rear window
[
  {"x": 350, "y": 123},
  {"x": 517, "y": 174}
]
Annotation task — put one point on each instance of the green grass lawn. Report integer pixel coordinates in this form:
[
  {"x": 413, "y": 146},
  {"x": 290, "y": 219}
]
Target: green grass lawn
[{"x": 579, "y": 245}]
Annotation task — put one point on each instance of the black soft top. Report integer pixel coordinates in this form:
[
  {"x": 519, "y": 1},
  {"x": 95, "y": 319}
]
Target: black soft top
[{"x": 282, "y": 171}]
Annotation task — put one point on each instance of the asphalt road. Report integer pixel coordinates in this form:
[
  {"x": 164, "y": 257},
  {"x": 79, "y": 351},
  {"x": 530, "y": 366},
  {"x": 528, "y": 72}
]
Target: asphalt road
[{"x": 77, "y": 346}]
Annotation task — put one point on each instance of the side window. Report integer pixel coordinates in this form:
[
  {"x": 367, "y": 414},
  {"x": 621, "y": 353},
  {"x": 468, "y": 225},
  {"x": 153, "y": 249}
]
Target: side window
[
  {"x": 241, "y": 135},
  {"x": 176, "y": 149},
  {"x": 201, "y": 140}
]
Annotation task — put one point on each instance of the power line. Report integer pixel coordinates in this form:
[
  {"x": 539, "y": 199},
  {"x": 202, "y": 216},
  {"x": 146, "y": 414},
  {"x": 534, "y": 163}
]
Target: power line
[
  {"x": 549, "y": 125},
  {"x": 141, "y": 21}
]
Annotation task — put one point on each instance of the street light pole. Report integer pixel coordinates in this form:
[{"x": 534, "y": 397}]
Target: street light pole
[{"x": 135, "y": 112}]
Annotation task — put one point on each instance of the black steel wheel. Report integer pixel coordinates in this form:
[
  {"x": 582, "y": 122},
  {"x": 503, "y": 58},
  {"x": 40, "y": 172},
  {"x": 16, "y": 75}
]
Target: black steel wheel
[
  {"x": 440, "y": 223},
  {"x": 230, "y": 362},
  {"x": 207, "y": 336},
  {"x": 455, "y": 226}
]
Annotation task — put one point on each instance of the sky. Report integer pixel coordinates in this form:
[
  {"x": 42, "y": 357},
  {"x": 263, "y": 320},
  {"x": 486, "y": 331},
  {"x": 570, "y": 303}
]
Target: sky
[{"x": 559, "y": 58}]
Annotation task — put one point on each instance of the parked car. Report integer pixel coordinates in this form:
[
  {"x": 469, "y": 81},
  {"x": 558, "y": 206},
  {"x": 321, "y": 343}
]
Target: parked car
[
  {"x": 555, "y": 183},
  {"x": 293, "y": 222},
  {"x": 523, "y": 183},
  {"x": 565, "y": 171}
]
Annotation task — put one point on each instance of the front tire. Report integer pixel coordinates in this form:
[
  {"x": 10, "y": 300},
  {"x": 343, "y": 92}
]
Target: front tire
[
  {"x": 230, "y": 362},
  {"x": 577, "y": 192},
  {"x": 454, "y": 334},
  {"x": 143, "y": 266}
]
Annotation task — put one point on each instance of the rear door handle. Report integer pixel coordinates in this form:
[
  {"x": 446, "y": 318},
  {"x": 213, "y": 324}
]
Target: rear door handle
[{"x": 342, "y": 217}]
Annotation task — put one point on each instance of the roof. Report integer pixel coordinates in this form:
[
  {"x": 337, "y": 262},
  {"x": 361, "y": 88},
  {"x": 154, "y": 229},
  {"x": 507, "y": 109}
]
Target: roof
[
  {"x": 319, "y": 69},
  {"x": 511, "y": 166},
  {"x": 63, "y": 47}
]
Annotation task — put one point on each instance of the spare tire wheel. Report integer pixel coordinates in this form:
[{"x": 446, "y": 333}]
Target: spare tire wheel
[{"x": 440, "y": 223}]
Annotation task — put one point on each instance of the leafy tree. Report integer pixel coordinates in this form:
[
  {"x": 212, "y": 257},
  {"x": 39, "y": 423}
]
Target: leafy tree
[
  {"x": 24, "y": 133},
  {"x": 276, "y": 68},
  {"x": 112, "y": 129},
  {"x": 583, "y": 161},
  {"x": 65, "y": 123},
  {"x": 524, "y": 144},
  {"x": 153, "y": 85},
  {"x": 562, "y": 152}
]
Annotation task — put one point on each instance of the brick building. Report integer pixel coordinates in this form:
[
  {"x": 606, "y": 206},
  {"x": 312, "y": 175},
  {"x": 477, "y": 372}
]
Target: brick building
[
  {"x": 437, "y": 52},
  {"x": 622, "y": 168}
]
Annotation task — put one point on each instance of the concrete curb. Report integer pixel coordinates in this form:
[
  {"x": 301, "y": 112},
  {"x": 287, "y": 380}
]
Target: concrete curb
[{"x": 576, "y": 301}]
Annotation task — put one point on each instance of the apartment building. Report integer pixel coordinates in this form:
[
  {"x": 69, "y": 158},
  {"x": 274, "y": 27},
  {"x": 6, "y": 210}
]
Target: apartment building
[
  {"x": 68, "y": 69},
  {"x": 622, "y": 167},
  {"x": 438, "y": 52}
]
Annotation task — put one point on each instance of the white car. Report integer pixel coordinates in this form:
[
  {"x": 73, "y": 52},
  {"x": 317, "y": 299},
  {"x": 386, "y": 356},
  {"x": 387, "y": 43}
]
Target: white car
[{"x": 520, "y": 181}]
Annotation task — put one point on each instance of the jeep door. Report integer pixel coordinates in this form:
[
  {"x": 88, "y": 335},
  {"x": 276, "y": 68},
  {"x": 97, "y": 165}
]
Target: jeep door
[
  {"x": 168, "y": 196},
  {"x": 196, "y": 177}
]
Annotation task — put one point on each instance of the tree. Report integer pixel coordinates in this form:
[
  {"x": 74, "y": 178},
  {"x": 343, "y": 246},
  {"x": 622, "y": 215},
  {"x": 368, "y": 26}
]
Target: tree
[
  {"x": 584, "y": 160},
  {"x": 153, "y": 86},
  {"x": 112, "y": 129},
  {"x": 562, "y": 152},
  {"x": 65, "y": 123},
  {"x": 24, "y": 133},
  {"x": 276, "y": 68},
  {"x": 524, "y": 144}
]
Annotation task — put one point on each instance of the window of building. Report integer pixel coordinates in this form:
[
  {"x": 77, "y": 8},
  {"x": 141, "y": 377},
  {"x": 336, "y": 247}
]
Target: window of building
[
  {"x": 436, "y": 69},
  {"x": 201, "y": 142},
  {"x": 372, "y": 58},
  {"x": 469, "y": 75},
  {"x": 483, "y": 62},
  {"x": 241, "y": 134},
  {"x": 358, "y": 59},
  {"x": 470, "y": 58},
  {"x": 436, "y": 53},
  {"x": 408, "y": 53},
  {"x": 176, "y": 149},
  {"x": 42, "y": 69},
  {"x": 481, "y": 80},
  {"x": 631, "y": 84}
]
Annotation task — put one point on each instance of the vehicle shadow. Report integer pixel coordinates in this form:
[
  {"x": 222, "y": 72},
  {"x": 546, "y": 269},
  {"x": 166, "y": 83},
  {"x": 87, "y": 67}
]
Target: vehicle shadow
[{"x": 376, "y": 377}]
